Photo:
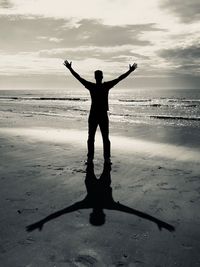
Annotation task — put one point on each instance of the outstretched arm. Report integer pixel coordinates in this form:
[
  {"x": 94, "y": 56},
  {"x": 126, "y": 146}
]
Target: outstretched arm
[
  {"x": 123, "y": 76},
  {"x": 160, "y": 224},
  {"x": 68, "y": 65},
  {"x": 131, "y": 69},
  {"x": 39, "y": 225}
]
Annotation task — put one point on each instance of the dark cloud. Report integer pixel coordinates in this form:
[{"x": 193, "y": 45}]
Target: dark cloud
[
  {"x": 186, "y": 10},
  {"x": 20, "y": 33},
  {"x": 96, "y": 33},
  {"x": 25, "y": 34},
  {"x": 182, "y": 54},
  {"x": 5, "y": 4},
  {"x": 189, "y": 68},
  {"x": 186, "y": 59}
]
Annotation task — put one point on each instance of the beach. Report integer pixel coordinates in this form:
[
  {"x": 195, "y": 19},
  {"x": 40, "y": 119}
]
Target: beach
[{"x": 155, "y": 170}]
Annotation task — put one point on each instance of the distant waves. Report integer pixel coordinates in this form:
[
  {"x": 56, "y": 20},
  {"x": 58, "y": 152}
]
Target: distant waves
[
  {"x": 164, "y": 117},
  {"x": 162, "y": 102},
  {"x": 124, "y": 107},
  {"x": 174, "y": 117},
  {"x": 43, "y": 98}
]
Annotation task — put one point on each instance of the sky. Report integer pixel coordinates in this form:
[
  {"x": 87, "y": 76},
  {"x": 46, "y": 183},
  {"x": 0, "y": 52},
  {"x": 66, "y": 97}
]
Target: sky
[{"x": 161, "y": 36}]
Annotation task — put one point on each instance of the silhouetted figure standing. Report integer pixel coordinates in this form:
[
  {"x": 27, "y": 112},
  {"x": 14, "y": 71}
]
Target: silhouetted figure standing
[{"x": 99, "y": 107}]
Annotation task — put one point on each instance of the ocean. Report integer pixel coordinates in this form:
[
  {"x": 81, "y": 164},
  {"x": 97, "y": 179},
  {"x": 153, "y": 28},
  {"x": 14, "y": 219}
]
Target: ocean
[{"x": 164, "y": 115}]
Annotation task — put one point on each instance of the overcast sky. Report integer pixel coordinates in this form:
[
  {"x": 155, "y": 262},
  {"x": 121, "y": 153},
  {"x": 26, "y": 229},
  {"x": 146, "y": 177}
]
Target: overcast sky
[{"x": 162, "y": 36}]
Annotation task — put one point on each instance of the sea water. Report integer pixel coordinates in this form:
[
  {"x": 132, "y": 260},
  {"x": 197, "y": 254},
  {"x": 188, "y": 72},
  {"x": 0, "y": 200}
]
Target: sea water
[{"x": 163, "y": 115}]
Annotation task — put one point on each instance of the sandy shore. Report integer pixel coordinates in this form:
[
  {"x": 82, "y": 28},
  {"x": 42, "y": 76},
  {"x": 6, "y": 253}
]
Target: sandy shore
[{"x": 42, "y": 171}]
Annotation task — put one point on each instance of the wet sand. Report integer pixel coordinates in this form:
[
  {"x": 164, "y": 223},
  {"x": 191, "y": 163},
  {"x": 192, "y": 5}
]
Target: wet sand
[{"x": 42, "y": 171}]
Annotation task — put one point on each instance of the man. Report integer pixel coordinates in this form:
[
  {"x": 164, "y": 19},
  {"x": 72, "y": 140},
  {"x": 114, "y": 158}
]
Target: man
[{"x": 99, "y": 108}]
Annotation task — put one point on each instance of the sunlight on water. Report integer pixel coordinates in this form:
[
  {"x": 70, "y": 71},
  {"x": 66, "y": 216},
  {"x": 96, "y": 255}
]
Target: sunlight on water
[
  {"x": 119, "y": 143},
  {"x": 154, "y": 107}
]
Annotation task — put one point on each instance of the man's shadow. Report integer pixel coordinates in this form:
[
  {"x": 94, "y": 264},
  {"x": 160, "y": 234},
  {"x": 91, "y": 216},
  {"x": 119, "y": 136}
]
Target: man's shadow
[{"x": 98, "y": 198}]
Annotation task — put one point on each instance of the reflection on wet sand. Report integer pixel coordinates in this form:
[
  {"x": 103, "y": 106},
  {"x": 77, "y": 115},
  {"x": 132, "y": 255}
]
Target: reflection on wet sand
[{"x": 99, "y": 197}]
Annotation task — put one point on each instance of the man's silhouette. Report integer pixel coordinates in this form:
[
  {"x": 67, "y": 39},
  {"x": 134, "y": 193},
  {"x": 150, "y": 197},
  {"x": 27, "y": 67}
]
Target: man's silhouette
[
  {"x": 99, "y": 108},
  {"x": 99, "y": 197}
]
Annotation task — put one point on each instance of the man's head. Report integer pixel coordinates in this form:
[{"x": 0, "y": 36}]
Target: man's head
[
  {"x": 98, "y": 75},
  {"x": 97, "y": 217}
]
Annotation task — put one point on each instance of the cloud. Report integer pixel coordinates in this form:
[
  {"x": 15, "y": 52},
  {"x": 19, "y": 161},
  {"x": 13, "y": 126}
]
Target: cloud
[
  {"x": 115, "y": 12},
  {"x": 182, "y": 54},
  {"x": 93, "y": 32},
  {"x": 5, "y": 4},
  {"x": 187, "y": 11},
  {"x": 183, "y": 59},
  {"x": 33, "y": 33},
  {"x": 20, "y": 33},
  {"x": 117, "y": 54}
]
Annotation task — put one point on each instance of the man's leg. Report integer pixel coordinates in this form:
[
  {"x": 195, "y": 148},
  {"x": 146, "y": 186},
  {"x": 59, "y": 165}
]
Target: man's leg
[
  {"x": 92, "y": 127},
  {"x": 104, "y": 127}
]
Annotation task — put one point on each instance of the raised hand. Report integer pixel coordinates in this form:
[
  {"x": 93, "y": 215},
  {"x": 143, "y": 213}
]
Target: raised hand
[
  {"x": 132, "y": 67},
  {"x": 167, "y": 226},
  {"x": 67, "y": 64},
  {"x": 34, "y": 226}
]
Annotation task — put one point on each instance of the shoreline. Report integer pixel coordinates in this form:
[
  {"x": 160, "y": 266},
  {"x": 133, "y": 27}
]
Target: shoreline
[{"x": 118, "y": 142}]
